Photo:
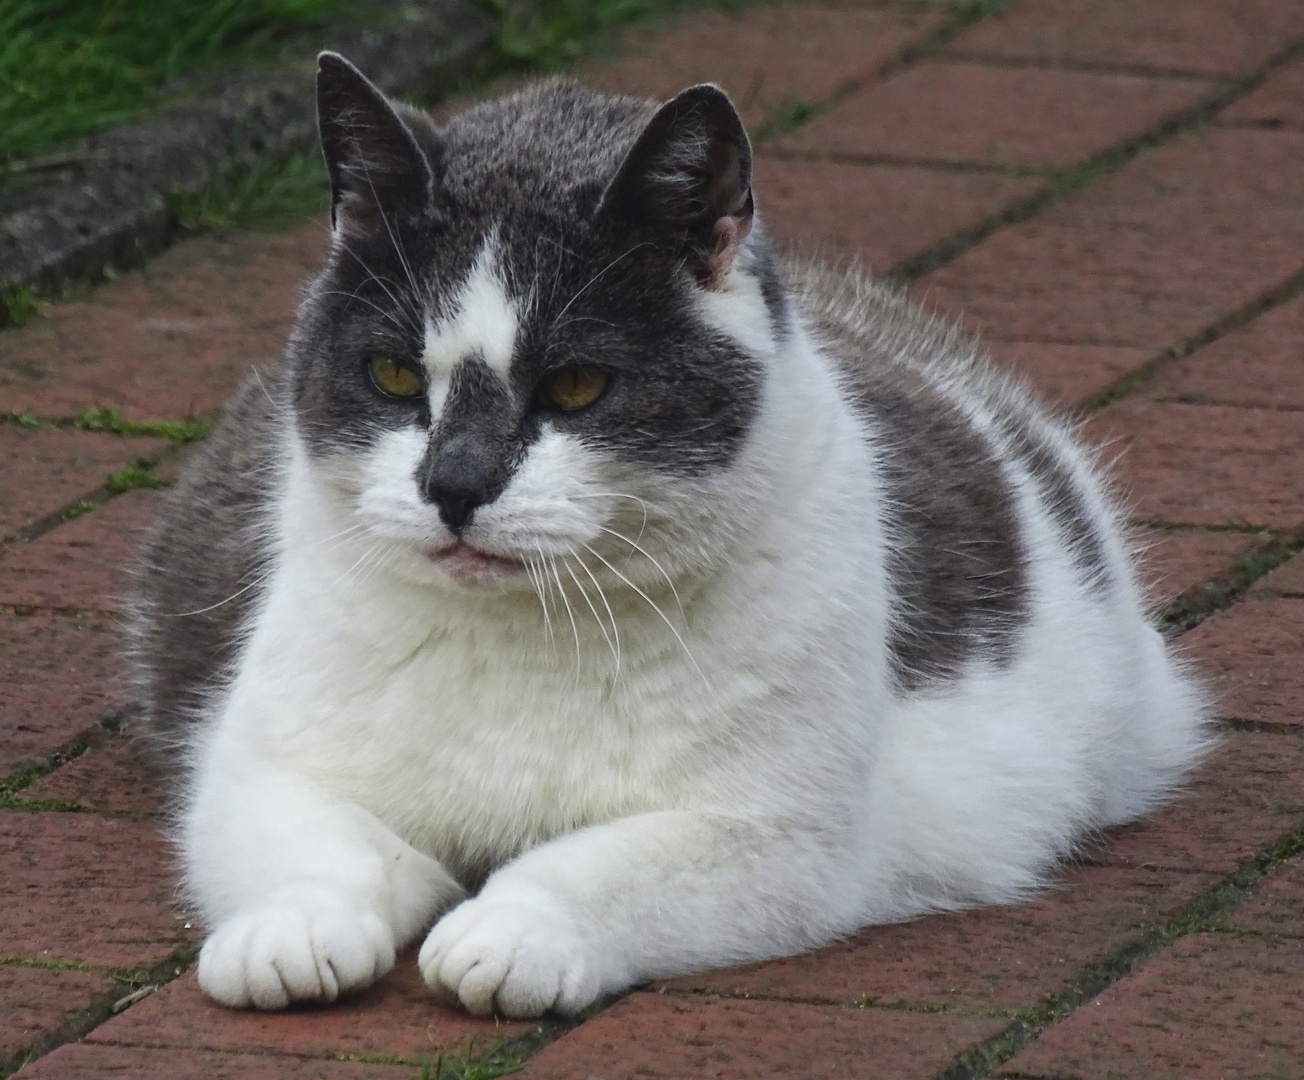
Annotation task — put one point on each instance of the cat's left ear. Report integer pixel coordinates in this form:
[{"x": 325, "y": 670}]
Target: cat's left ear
[
  {"x": 377, "y": 163},
  {"x": 690, "y": 173}
]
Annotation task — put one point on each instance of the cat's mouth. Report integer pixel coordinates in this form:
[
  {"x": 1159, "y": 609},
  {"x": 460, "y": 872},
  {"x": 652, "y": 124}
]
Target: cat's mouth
[{"x": 471, "y": 566}]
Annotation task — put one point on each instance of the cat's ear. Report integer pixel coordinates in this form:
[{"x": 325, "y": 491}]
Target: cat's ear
[
  {"x": 377, "y": 164},
  {"x": 690, "y": 173}
]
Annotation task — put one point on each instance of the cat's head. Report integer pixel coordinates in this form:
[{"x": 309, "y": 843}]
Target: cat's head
[{"x": 541, "y": 337}]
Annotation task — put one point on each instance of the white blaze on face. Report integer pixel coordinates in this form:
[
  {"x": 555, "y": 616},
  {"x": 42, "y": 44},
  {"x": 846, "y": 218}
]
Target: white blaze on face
[{"x": 484, "y": 321}]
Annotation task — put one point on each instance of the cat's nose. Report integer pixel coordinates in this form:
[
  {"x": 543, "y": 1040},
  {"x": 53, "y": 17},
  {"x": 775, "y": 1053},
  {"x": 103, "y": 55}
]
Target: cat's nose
[{"x": 457, "y": 481}]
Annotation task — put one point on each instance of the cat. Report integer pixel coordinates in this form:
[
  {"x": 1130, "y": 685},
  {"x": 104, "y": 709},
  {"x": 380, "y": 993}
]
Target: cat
[{"x": 619, "y": 599}]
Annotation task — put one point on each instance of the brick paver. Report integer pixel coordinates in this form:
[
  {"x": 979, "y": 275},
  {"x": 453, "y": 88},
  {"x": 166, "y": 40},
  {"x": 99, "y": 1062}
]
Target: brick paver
[
  {"x": 88, "y": 1062},
  {"x": 1211, "y": 1006},
  {"x": 663, "y": 1037},
  {"x": 1249, "y": 792},
  {"x": 891, "y": 133},
  {"x": 114, "y": 776},
  {"x": 1277, "y": 904},
  {"x": 58, "y": 676},
  {"x": 1146, "y": 257},
  {"x": 83, "y": 565},
  {"x": 1207, "y": 464},
  {"x": 1278, "y": 103},
  {"x": 1212, "y": 37},
  {"x": 979, "y": 114},
  {"x": 395, "y": 1018},
  {"x": 1257, "y": 365},
  {"x": 1010, "y": 958},
  {"x": 765, "y": 58},
  {"x": 171, "y": 340},
  {"x": 1250, "y": 654},
  {"x": 881, "y": 214},
  {"x": 1286, "y": 580},
  {"x": 47, "y": 469},
  {"x": 37, "y": 1000},
  {"x": 90, "y": 889},
  {"x": 1175, "y": 561}
]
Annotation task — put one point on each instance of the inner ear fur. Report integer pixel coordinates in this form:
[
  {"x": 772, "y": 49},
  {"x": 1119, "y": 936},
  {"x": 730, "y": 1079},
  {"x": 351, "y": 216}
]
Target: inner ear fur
[
  {"x": 689, "y": 174},
  {"x": 377, "y": 163}
]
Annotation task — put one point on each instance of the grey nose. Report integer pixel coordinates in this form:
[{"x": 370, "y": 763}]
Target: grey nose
[{"x": 458, "y": 479}]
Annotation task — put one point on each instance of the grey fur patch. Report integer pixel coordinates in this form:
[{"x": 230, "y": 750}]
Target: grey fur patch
[
  {"x": 1067, "y": 502},
  {"x": 198, "y": 579},
  {"x": 957, "y": 563}
]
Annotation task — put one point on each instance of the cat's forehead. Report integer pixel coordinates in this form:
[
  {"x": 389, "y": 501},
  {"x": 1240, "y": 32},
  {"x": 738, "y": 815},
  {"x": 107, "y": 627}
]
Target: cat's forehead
[{"x": 479, "y": 320}]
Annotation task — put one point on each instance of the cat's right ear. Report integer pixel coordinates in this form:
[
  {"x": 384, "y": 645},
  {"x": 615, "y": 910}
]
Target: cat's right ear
[
  {"x": 377, "y": 165},
  {"x": 690, "y": 174}
]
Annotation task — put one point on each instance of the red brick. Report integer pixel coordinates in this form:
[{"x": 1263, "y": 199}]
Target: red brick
[
  {"x": 171, "y": 340},
  {"x": 395, "y": 1017},
  {"x": 762, "y": 57},
  {"x": 878, "y": 214},
  {"x": 1277, "y": 102},
  {"x": 1246, "y": 796},
  {"x": 973, "y": 113},
  {"x": 1175, "y": 240},
  {"x": 1257, "y": 365},
  {"x": 1286, "y": 580},
  {"x": 1212, "y": 1006},
  {"x": 82, "y": 565},
  {"x": 997, "y": 957},
  {"x": 57, "y": 677},
  {"x": 79, "y": 1061},
  {"x": 114, "y": 776},
  {"x": 37, "y": 1001},
  {"x": 1276, "y": 906},
  {"x": 1173, "y": 562},
  {"x": 655, "y": 1035},
  {"x": 1067, "y": 375},
  {"x": 1250, "y": 655},
  {"x": 1206, "y": 464},
  {"x": 45, "y": 469},
  {"x": 86, "y": 888},
  {"x": 1213, "y": 37}
]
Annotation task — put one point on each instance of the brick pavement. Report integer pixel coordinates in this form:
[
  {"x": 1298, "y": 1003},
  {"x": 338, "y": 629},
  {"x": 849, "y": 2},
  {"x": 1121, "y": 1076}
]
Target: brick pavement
[{"x": 1112, "y": 193}]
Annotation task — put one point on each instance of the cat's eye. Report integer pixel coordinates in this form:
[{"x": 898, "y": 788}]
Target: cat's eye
[
  {"x": 392, "y": 378},
  {"x": 574, "y": 388}
]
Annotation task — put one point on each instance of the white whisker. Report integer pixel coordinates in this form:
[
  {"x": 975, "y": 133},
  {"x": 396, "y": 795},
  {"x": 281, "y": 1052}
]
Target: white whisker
[{"x": 613, "y": 645}]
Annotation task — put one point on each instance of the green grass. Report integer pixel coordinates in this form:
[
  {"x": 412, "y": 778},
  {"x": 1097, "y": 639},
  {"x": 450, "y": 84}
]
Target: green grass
[
  {"x": 270, "y": 195},
  {"x": 68, "y": 67}
]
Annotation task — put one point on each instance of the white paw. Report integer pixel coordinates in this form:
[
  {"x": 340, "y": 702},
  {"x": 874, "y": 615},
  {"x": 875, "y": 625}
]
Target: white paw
[
  {"x": 520, "y": 957},
  {"x": 302, "y": 949}
]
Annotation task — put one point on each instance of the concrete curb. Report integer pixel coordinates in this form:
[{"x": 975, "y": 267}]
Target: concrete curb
[{"x": 103, "y": 201}]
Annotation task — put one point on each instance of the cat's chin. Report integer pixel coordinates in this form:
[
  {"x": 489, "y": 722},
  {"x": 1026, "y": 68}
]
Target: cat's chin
[{"x": 470, "y": 566}]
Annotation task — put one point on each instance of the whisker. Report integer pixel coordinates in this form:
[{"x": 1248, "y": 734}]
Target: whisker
[
  {"x": 535, "y": 573},
  {"x": 613, "y": 645},
  {"x": 660, "y": 569},
  {"x": 552, "y": 563},
  {"x": 678, "y": 636}
]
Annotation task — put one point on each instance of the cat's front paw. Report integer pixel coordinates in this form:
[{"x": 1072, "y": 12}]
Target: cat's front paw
[
  {"x": 311, "y": 950},
  {"x": 521, "y": 957}
]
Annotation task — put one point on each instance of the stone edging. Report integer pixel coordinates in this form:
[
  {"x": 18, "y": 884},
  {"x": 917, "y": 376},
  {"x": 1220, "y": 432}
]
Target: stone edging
[{"x": 103, "y": 201}]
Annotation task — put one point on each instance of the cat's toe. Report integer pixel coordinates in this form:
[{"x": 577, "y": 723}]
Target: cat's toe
[
  {"x": 511, "y": 958},
  {"x": 268, "y": 958}
]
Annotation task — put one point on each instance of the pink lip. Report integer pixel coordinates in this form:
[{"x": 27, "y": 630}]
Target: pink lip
[{"x": 470, "y": 565}]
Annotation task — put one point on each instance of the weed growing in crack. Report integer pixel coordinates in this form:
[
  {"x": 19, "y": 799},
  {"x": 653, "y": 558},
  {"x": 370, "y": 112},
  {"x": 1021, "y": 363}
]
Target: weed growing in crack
[
  {"x": 139, "y": 474},
  {"x": 110, "y": 420}
]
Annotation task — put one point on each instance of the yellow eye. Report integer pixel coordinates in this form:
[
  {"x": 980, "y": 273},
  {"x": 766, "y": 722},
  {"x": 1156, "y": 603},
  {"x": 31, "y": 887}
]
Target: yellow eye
[
  {"x": 392, "y": 379},
  {"x": 574, "y": 388}
]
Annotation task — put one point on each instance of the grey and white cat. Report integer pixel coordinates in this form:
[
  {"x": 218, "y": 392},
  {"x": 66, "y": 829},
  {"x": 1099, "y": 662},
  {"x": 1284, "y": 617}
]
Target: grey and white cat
[{"x": 617, "y": 599}]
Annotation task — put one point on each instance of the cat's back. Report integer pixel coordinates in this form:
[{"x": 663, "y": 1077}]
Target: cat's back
[
  {"x": 985, "y": 488},
  {"x": 200, "y": 571}
]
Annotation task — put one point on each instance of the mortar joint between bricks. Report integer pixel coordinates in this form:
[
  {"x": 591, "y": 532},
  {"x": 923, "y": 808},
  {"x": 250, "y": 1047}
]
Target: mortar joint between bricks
[{"x": 1091, "y": 981}]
